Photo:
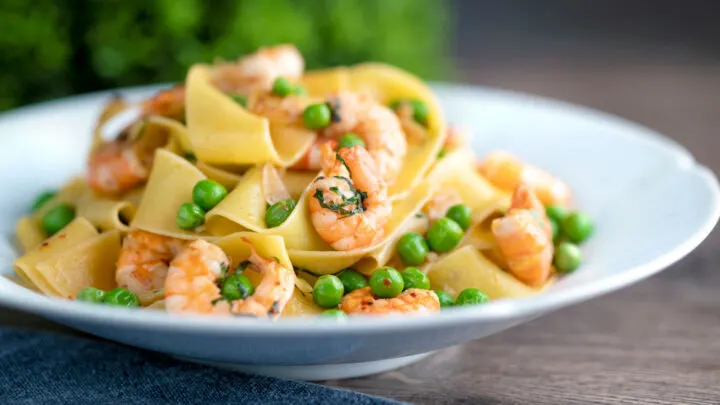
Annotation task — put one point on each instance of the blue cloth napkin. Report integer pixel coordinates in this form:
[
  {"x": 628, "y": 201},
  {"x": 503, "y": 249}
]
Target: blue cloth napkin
[{"x": 48, "y": 368}]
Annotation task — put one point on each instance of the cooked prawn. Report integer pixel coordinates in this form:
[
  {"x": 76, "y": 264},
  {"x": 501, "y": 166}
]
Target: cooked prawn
[
  {"x": 258, "y": 70},
  {"x": 525, "y": 198},
  {"x": 168, "y": 103},
  {"x": 143, "y": 263},
  {"x": 525, "y": 239},
  {"x": 348, "y": 205},
  {"x": 192, "y": 283},
  {"x": 412, "y": 301},
  {"x": 312, "y": 159},
  {"x": 117, "y": 166},
  {"x": 506, "y": 172},
  {"x": 377, "y": 125}
]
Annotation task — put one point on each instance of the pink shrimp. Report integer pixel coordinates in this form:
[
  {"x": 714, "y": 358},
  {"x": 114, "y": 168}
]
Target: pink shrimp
[
  {"x": 348, "y": 205},
  {"x": 258, "y": 71},
  {"x": 506, "y": 172},
  {"x": 143, "y": 263},
  {"x": 168, "y": 103},
  {"x": 413, "y": 301},
  {"x": 192, "y": 282},
  {"x": 524, "y": 238},
  {"x": 376, "y": 124},
  {"x": 118, "y": 166}
]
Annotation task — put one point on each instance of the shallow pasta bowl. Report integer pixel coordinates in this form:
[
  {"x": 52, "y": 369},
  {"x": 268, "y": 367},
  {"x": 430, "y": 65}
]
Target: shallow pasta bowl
[{"x": 652, "y": 205}]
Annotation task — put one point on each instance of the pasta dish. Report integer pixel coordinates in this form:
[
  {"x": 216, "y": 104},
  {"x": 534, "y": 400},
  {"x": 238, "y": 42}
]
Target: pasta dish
[{"x": 257, "y": 188}]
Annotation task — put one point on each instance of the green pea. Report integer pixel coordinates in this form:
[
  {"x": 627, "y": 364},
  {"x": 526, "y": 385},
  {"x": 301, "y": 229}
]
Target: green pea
[
  {"x": 334, "y": 313},
  {"x": 282, "y": 87},
  {"x": 57, "y": 218},
  {"x": 412, "y": 249},
  {"x": 420, "y": 109},
  {"x": 442, "y": 153},
  {"x": 42, "y": 199},
  {"x": 328, "y": 291},
  {"x": 446, "y": 300},
  {"x": 462, "y": 214},
  {"x": 190, "y": 216},
  {"x": 352, "y": 280},
  {"x": 577, "y": 227},
  {"x": 317, "y": 116},
  {"x": 350, "y": 140},
  {"x": 386, "y": 282},
  {"x": 567, "y": 257},
  {"x": 121, "y": 297},
  {"x": 555, "y": 229},
  {"x": 236, "y": 287},
  {"x": 279, "y": 212},
  {"x": 90, "y": 294},
  {"x": 242, "y": 100},
  {"x": 208, "y": 193},
  {"x": 444, "y": 235},
  {"x": 414, "y": 278},
  {"x": 471, "y": 296},
  {"x": 556, "y": 213}
]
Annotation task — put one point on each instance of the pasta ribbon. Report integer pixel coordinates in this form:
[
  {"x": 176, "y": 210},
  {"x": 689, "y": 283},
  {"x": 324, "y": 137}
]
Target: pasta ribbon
[
  {"x": 103, "y": 212},
  {"x": 170, "y": 185},
  {"x": 467, "y": 268},
  {"x": 244, "y": 209},
  {"x": 73, "y": 258},
  {"x": 222, "y": 132}
]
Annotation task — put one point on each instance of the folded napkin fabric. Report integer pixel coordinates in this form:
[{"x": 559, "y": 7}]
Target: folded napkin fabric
[{"x": 47, "y": 368}]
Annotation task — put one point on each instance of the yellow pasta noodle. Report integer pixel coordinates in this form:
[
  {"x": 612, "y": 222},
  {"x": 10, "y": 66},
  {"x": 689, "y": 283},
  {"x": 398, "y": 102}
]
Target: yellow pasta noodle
[
  {"x": 457, "y": 172},
  {"x": 105, "y": 213},
  {"x": 174, "y": 133},
  {"x": 297, "y": 181},
  {"x": 244, "y": 209},
  {"x": 169, "y": 186},
  {"x": 76, "y": 233},
  {"x": 113, "y": 107},
  {"x": 223, "y": 132},
  {"x": 91, "y": 263},
  {"x": 325, "y": 81},
  {"x": 467, "y": 268},
  {"x": 222, "y": 176},
  {"x": 28, "y": 233}
]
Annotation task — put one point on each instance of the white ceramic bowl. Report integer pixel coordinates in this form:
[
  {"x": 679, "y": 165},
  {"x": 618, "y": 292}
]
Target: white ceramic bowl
[{"x": 651, "y": 202}]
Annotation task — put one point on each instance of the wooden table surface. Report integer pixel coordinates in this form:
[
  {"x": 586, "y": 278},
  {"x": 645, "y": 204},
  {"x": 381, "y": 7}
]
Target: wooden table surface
[{"x": 657, "y": 342}]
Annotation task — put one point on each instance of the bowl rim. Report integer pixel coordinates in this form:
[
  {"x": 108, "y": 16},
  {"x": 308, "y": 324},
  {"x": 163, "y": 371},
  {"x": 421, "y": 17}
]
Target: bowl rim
[{"x": 18, "y": 297}]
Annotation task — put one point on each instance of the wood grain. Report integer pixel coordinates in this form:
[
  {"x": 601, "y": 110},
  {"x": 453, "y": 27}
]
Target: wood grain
[{"x": 657, "y": 342}]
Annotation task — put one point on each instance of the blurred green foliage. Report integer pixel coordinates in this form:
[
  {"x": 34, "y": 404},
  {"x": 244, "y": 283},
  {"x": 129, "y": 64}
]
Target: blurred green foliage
[{"x": 49, "y": 48}]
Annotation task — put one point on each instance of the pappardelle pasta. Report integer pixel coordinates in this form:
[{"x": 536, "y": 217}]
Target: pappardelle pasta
[{"x": 258, "y": 189}]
